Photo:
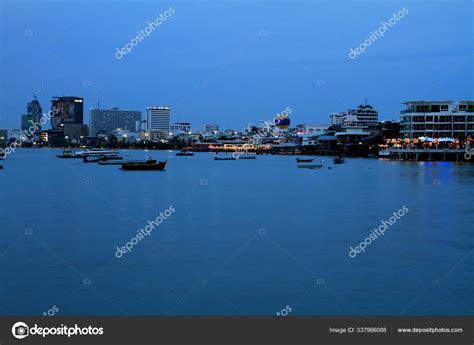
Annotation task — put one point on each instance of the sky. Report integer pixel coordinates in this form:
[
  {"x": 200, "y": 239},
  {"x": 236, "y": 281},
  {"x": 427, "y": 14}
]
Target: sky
[{"x": 235, "y": 62}]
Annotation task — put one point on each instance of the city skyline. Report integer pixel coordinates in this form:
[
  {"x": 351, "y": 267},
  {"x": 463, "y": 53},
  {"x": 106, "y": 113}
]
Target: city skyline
[{"x": 269, "y": 56}]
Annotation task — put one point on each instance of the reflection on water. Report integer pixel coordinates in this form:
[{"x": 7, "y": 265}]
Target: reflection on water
[{"x": 210, "y": 258}]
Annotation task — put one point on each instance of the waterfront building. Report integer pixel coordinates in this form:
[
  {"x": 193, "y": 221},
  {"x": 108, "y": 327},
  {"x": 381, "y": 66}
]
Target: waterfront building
[
  {"x": 364, "y": 116},
  {"x": 210, "y": 128},
  {"x": 11, "y": 134},
  {"x": 4, "y": 134},
  {"x": 158, "y": 120},
  {"x": 437, "y": 119},
  {"x": 355, "y": 124},
  {"x": 307, "y": 129},
  {"x": 181, "y": 127},
  {"x": 126, "y": 135},
  {"x": 336, "y": 119},
  {"x": 69, "y": 111},
  {"x": 108, "y": 120},
  {"x": 75, "y": 131}
]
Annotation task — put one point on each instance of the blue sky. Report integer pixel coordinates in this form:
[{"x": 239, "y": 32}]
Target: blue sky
[{"x": 234, "y": 62}]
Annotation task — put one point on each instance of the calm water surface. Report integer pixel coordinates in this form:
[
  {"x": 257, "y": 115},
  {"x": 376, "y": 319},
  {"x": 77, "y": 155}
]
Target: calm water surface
[{"x": 247, "y": 238}]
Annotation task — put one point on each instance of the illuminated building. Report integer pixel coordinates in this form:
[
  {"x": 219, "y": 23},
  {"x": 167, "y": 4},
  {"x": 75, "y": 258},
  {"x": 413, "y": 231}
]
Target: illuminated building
[{"x": 437, "y": 119}]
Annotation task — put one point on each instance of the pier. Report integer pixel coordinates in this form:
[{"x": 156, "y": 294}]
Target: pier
[{"x": 423, "y": 154}]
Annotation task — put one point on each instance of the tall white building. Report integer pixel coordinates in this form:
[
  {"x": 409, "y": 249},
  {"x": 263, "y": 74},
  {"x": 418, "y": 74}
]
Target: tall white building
[{"x": 158, "y": 119}]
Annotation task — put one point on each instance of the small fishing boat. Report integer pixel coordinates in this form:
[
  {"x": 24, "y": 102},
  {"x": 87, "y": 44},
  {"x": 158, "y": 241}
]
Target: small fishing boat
[
  {"x": 68, "y": 153},
  {"x": 2, "y": 155},
  {"x": 247, "y": 157},
  {"x": 301, "y": 160},
  {"x": 310, "y": 166},
  {"x": 144, "y": 166},
  {"x": 339, "y": 160}
]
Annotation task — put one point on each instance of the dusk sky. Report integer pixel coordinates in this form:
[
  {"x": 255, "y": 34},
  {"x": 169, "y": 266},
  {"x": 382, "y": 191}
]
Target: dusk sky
[{"x": 234, "y": 62}]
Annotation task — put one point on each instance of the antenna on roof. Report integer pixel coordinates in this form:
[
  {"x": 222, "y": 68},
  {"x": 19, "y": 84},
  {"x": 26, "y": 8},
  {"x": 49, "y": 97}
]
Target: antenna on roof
[
  {"x": 366, "y": 101},
  {"x": 98, "y": 105}
]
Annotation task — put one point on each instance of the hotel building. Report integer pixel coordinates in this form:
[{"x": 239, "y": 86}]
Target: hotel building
[
  {"x": 437, "y": 119},
  {"x": 158, "y": 120},
  {"x": 112, "y": 119},
  {"x": 70, "y": 111}
]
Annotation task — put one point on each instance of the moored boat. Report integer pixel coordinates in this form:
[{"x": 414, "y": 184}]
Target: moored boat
[
  {"x": 247, "y": 157},
  {"x": 68, "y": 153},
  {"x": 93, "y": 160},
  {"x": 144, "y": 166},
  {"x": 301, "y": 160},
  {"x": 339, "y": 160}
]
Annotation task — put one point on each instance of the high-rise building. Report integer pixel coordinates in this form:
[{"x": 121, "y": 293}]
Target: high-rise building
[
  {"x": 437, "y": 119},
  {"x": 35, "y": 112},
  {"x": 210, "y": 128},
  {"x": 158, "y": 119},
  {"x": 69, "y": 110},
  {"x": 26, "y": 122},
  {"x": 112, "y": 119}
]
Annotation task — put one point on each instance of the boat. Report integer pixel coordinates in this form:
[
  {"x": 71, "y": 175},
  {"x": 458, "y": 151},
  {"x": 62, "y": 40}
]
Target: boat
[
  {"x": 144, "y": 166},
  {"x": 311, "y": 166},
  {"x": 114, "y": 162},
  {"x": 102, "y": 158},
  {"x": 247, "y": 157},
  {"x": 339, "y": 160},
  {"x": 225, "y": 159},
  {"x": 93, "y": 160},
  {"x": 301, "y": 160},
  {"x": 2, "y": 155},
  {"x": 97, "y": 152},
  {"x": 68, "y": 153}
]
